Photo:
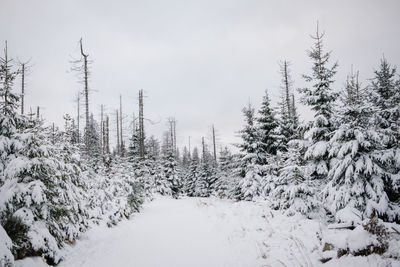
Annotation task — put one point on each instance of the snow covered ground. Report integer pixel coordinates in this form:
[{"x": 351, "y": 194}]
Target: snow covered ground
[{"x": 205, "y": 232}]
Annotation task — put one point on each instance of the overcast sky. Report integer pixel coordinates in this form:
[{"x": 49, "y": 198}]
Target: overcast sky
[{"x": 200, "y": 61}]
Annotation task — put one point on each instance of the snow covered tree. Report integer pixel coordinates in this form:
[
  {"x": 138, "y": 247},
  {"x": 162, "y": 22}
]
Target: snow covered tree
[
  {"x": 293, "y": 191},
  {"x": 320, "y": 97},
  {"x": 268, "y": 126},
  {"x": 356, "y": 179},
  {"x": 191, "y": 179},
  {"x": 224, "y": 172},
  {"x": 43, "y": 189},
  {"x": 133, "y": 148},
  {"x": 9, "y": 118},
  {"x": 251, "y": 156},
  {"x": 205, "y": 181},
  {"x": 384, "y": 94},
  {"x": 92, "y": 139},
  {"x": 171, "y": 174}
]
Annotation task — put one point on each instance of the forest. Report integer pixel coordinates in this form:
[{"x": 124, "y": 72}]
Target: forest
[{"x": 342, "y": 168}]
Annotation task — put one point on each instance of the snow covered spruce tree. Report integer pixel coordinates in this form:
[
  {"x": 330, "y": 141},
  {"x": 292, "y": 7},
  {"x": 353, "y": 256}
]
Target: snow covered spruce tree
[
  {"x": 224, "y": 180},
  {"x": 9, "y": 122},
  {"x": 205, "y": 181},
  {"x": 39, "y": 206},
  {"x": 268, "y": 126},
  {"x": 171, "y": 174},
  {"x": 92, "y": 138},
  {"x": 356, "y": 179},
  {"x": 320, "y": 97},
  {"x": 293, "y": 191},
  {"x": 192, "y": 174},
  {"x": 384, "y": 94},
  {"x": 251, "y": 158},
  {"x": 270, "y": 140}
]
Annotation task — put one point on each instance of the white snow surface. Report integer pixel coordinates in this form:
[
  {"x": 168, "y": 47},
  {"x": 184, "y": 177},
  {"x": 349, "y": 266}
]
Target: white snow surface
[{"x": 210, "y": 232}]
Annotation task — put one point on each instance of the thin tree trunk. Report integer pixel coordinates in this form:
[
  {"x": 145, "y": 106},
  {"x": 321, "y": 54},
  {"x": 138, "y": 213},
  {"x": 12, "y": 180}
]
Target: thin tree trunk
[
  {"x": 118, "y": 143},
  {"x": 214, "y": 146}
]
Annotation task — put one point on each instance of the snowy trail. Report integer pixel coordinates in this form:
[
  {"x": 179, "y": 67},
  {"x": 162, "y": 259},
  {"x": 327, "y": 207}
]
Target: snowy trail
[{"x": 166, "y": 233}]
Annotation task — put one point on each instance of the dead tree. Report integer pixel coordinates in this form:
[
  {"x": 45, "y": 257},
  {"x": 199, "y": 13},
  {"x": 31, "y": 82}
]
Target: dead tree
[
  {"x": 214, "y": 145},
  {"x": 86, "y": 88},
  {"x": 78, "y": 98},
  {"x": 118, "y": 143},
  {"x": 25, "y": 68},
  {"x": 172, "y": 132},
  {"x": 82, "y": 67},
  {"x": 189, "y": 148},
  {"x": 122, "y": 149},
  {"x": 107, "y": 136},
  {"x": 203, "y": 145},
  {"x": 287, "y": 84},
  {"x": 141, "y": 126},
  {"x": 101, "y": 131}
]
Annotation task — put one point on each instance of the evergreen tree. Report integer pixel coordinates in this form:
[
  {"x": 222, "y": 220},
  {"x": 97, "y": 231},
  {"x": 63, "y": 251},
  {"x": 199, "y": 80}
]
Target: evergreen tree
[
  {"x": 293, "y": 191},
  {"x": 93, "y": 140},
  {"x": 320, "y": 98},
  {"x": 251, "y": 156},
  {"x": 171, "y": 174},
  {"x": 356, "y": 177},
  {"x": 384, "y": 94},
  {"x": 268, "y": 126},
  {"x": 133, "y": 148},
  {"x": 224, "y": 180},
  {"x": 191, "y": 178}
]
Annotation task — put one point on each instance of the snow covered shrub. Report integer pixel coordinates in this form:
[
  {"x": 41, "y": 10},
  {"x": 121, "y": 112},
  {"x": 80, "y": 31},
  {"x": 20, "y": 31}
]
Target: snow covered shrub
[
  {"x": 293, "y": 190},
  {"x": 369, "y": 238}
]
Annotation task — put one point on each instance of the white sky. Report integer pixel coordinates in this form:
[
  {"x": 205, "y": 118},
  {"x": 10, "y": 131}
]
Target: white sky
[{"x": 200, "y": 61}]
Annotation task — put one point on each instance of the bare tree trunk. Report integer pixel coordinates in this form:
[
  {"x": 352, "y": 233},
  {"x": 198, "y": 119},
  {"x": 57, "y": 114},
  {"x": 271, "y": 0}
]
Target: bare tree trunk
[
  {"x": 38, "y": 114},
  {"x": 101, "y": 132},
  {"x": 141, "y": 125},
  {"x": 120, "y": 126},
  {"x": 107, "y": 136},
  {"x": 189, "y": 149},
  {"x": 203, "y": 145},
  {"x": 86, "y": 83},
  {"x": 23, "y": 88},
  {"x": 78, "y": 100},
  {"x": 52, "y": 134},
  {"x": 118, "y": 143},
  {"x": 214, "y": 146}
]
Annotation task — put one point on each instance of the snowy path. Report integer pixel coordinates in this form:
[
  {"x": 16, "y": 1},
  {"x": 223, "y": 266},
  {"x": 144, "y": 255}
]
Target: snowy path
[
  {"x": 208, "y": 232},
  {"x": 166, "y": 233}
]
